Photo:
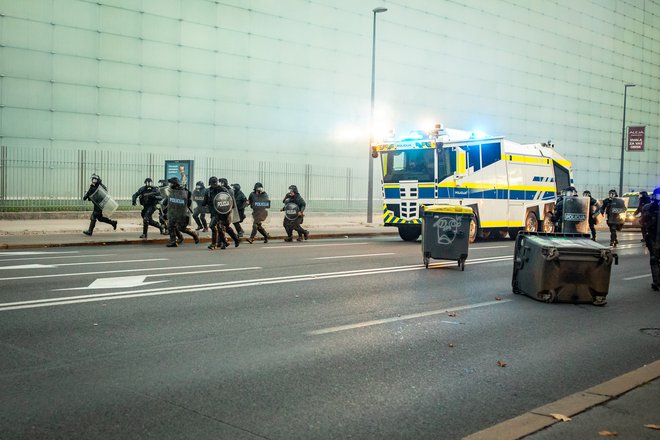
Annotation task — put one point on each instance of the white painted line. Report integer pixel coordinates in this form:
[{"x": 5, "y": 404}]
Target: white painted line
[
  {"x": 58, "y": 275},
  {"x": 475, "y": 248},
  {"x": 293, "y": 246},
  {"x": 2, "y": 254},
  {"x": 50, "y": 302},
  {"x": 342, "y": 328},
  {"x": 52, "y": 266},
  {"x": 354, "y": 256},
  {"x": 170, "y": 274},
  {"x": 637, "y": 277},
  {"x": 52, "y": 258}
]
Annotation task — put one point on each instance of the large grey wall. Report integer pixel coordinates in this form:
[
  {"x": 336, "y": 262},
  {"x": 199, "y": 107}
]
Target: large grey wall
[{"x": 289, "y": 80}]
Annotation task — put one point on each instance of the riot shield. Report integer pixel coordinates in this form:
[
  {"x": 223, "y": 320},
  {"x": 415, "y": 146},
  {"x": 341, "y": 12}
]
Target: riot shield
[
  {"x": 223, "y": 203},
  {"x": 575, "y": 217},
  {"x": 617, "y": 214},
  {"x": 177, "y": 206},
  {"x": 260, "y": 201},
  {"x": 198, "y": 199},
  {"x": 102, "y": 199},
  {"x": 291, "y": 211}
]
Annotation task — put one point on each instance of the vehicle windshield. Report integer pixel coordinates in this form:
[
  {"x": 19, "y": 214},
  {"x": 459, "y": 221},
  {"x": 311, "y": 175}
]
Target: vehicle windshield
[
  {"x": 416, "y": 165},
  {"x": 633, "y": 201}
]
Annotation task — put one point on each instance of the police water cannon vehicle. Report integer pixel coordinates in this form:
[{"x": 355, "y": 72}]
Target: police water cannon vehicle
[{"x": 510, "y": 187}]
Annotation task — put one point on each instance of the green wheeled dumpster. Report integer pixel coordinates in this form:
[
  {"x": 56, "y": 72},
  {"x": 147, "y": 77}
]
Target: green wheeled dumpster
[
  {"x": 562, "y": 268},
  {"x": 446, "y": 233}
]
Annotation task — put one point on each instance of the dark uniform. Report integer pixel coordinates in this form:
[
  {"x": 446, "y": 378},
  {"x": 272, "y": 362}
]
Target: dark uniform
[
  {"x": 593, "y": 212},
  {"x": 163, "y": 188},
  {"x": 97, "y": 214},
  {"x": 644, "y": 200},
  {"x": 259, "y": 201},
  {"x": 178, "y": 223},
  {"x": 649, "y": 221},
  {"x": 220, "y": 222},
  {"x": 149, "y": 197},
  {"x": 200, "y": 210},
  {"x": 605, "y": 210},
  {"x": 226, "y": 220},
  {"x": 241, "y": 204},
  {"x": 293, "y": 224},
  {"x": 559, "y": 207}
]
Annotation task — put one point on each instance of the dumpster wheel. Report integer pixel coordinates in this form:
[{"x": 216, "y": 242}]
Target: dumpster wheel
[
  {"x": 427, "y": 259},
  {"x": 461, "y": 264}
]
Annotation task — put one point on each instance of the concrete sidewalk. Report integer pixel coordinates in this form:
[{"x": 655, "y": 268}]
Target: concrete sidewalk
[{"x": 623, "y": 405}]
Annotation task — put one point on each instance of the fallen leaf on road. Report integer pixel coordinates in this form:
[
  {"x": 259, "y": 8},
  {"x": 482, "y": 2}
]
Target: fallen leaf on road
[
  {"x": 451, "y": 345},
  {"x": 501, "y": 364},
  {"x": 561, "y": 417},
  {"x": 452, "y": 314},
  {"x": 652, "y": 426},
  {"x": 497, "y": 298},
  {"x": 608, "y": 433}
]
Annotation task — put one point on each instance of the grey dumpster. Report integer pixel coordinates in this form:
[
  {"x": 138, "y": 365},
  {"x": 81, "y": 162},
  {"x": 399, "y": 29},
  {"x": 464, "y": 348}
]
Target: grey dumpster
[
  {"x": 562, "y": 268},
  {"x": 446, "y": 233}
]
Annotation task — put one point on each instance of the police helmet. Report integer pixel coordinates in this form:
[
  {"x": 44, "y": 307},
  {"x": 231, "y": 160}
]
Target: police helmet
[
  {"x": 656, "y": 194},
  {"x": 224, "y": 182},
  {"x": 213, "y": 181},
  {"x": 612, "y": 193},
  {"x": 586, "y": 193},
  {"x": 293, "y": 188},
  {"x": 643, "y": 194},
  {"x": 95, "y": 178},
  {"x": 174, "y": 181},
  {"x": 236, "y": 186},
  {"x": 571, "y": 191},
  {"x": 200, "y": 184},
  {"x": 148, "y": 181},
  {"x": 258, "y": 187}
]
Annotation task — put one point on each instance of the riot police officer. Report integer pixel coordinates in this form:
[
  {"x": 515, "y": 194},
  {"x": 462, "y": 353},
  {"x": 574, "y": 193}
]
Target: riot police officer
[
  {"x": 200, "y": 210},
  {"x": 259, "y": 201},
  {"x": 294, "y": 211},
  {"x": 650, "y": 219},
  {"x": 593, "y": 213},
  {"x": 97, "y": 194},
  {"x": 164, "y": 190},
  {"x": 559, "y": 206},
  {"x": 612, "y": 209},
  {"x": 149, "y": 197},
  {"x": 177, "y": 205},
  {"x": 241, "y": 204},
  {"x": 230, "y": 218},
  {"x": 216, "y": 228}
]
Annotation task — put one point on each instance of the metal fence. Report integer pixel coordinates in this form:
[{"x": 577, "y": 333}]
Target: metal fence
[{"x": 37, "y": 179}]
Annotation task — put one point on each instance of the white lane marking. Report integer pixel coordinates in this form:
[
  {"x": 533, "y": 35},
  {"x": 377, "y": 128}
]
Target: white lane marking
[
  {"x": 354, "y": 256},
  {"x": 486, "y": 247},
  {"x": 50, "y": 302},
  {"x": 52, "y": 266},
  {"x": 170, "y": 274},
  {"x": 342, "y": 328},
  {"x": 53, "y": 258},
  {"x": 2, "y": 254},
  {"x": 292, "y": 246},
  {"x": 637, "y": 277},
  {"x": 120, "y": 282},
  {"x": 58, "y": 275}
]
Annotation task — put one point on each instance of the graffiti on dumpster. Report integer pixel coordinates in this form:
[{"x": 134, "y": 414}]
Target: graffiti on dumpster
[{"x": 447, "y": 228}]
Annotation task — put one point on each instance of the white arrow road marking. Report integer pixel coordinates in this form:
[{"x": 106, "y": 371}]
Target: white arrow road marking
[
  {"x": 120, "y": 282},
  {"x": 54, "y": 258},
  {"x": 58, "y": 275},
  {"x": 341, "y": 328},
  {"x": 354, "y": 256},
  {"x": 51, "y": 266},
  {"x": 50, "y": 302},
  {"x": 2, "y": 254},
  {"x": 107, "y": 283}
]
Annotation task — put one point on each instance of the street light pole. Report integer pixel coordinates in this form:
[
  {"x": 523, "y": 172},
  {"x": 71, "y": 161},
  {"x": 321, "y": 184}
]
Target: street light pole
[
  {"x": 370, "y": 175},
  {"x": 623, "y": 136}
]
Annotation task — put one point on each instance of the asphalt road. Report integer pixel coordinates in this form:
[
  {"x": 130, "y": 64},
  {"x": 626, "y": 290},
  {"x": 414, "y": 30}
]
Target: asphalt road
[{"x": 324, "y": 339}]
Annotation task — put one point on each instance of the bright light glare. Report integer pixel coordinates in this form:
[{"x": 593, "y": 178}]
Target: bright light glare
[
  {"x": 383, "y": 122},
  {"x": 347, "y": 133},
  {"x": 479, "y": 134}
]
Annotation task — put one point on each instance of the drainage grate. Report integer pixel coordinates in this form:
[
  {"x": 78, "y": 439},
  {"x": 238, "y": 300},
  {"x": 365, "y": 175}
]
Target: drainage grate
[{"x": 650, "y": 331}]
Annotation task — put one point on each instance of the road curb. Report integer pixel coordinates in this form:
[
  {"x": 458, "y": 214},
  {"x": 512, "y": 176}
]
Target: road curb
[
  {"x": 540, "y": 418},
  {"x": 163, "y": 241}
]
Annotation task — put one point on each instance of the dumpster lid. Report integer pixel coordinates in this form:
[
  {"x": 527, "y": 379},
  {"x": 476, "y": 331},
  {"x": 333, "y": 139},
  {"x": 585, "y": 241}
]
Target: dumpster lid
[
  {"x": 451, "y": 209},
  {"x": 585, "y": 244}
]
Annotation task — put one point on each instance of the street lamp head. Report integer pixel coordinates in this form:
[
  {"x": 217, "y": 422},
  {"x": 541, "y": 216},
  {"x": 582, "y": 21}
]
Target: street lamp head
[
  {"x": 631, "y": 85},
  {"x": 379, "y": 9}
]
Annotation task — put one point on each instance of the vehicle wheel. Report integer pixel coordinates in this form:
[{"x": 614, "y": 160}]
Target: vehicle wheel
[
  {"x": 410, "y": 233},
  {"x": 531, "y": 222},
  {"x": 474, "y": 229},
  {"x": 548, "y": 226}
]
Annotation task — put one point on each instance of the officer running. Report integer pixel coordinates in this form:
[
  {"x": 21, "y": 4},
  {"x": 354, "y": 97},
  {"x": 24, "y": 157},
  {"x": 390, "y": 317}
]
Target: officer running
[
  {"x": 241, "y": 204},
  {"x": 232, "y": 216},
  {"x": 259, "y": 201},
  {"x": 608, "y": 208},
  {"x": 593, "y": 213},
  {"x": 164, "y": 189},
  {"x": 149, "y": 196},
  {"x": 178, "y": 205},
  {"x": 200, "y": 210},
  {"x": 294, "y": 211},
  {"x": 649, "y": 221},
  {"x": 92, "y": 194}
]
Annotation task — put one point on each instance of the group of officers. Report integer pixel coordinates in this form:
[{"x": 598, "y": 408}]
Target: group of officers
[
  {"x": 572, "y": 215},
  {"x": 225, "y": 204}
]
